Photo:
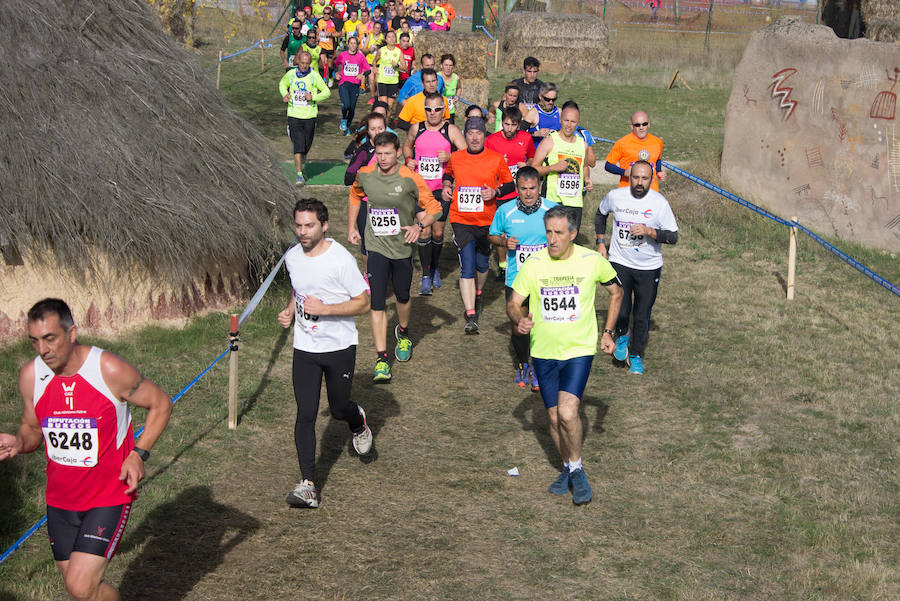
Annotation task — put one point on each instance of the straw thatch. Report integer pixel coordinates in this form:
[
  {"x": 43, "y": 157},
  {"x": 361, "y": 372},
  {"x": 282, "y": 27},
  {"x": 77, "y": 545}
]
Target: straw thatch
[
  {"x": 469, "y": 49},
  {"x": 882, "y": 19},
  {"x": 563, "y": 43},
  {"x": 120, "y": 162},
  {"x": 475, "y": 91}
]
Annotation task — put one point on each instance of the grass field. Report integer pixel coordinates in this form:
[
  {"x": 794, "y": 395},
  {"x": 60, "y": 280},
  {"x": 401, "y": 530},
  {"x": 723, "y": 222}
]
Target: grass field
[{"x": 756, "y": 459}]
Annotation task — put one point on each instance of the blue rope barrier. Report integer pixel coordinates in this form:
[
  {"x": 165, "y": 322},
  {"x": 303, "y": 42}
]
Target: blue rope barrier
[
  {"x": 757, "y": 209},
  {"x": 22, "y": 540},
  {"x": 482, "y": 28}
]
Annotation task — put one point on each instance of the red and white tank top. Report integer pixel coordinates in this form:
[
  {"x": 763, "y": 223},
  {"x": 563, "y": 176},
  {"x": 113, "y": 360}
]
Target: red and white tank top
[
  {"x": 427, "y": 145},
  {"x": 87, "y": 435}
]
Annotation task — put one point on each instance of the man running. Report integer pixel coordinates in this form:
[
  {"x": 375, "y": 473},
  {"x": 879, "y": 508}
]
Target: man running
[
  {"x": 395, "y": 194},
  {"x": 642, "y": 221},
  {"x": 302, "y": 89},
  {"x": 328, "y": 292},
  {"x": 327, "y": 32},
  {"x": 473, "y": 179},
  {"x": 77, "y": 401},
  {"x": 509, "y": 99},
  {"x": 639, "y": 145},
  {"x": 427, "y": 150},
  {"x": 291, "y": 44},
  {"x": 544, "y": 117},
  {"x": 567, "y": 156},
  {"x": 414, "y": 109},
  {"x": 529, "y": 85},
  {"x": 517, "y": 148},
  {"x": 519, "y": 229},
  {"x": 416, "y": 83},
  {"x": 560, "y": 282}
]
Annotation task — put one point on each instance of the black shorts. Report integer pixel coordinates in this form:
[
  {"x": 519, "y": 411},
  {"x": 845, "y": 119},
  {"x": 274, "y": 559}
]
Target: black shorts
[
  {"x": 302, "y": 132},
  {"x": 381, "y": 269},
  {"x": 464, "y": 233},
  {"x": 327, "y": 53},
  {"x": 390, "y": 90},
  {"x": 96, "y": 531}
]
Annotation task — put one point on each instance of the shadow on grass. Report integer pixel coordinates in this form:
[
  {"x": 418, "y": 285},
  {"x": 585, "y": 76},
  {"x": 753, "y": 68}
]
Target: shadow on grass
[
  {"x": 14, "y": 521},
  {"x": 538, "y": 422},
  {"x": 184, "y": 540},
  {"x": 379, "y": 404},
  {"x": 265, "y": 378}
]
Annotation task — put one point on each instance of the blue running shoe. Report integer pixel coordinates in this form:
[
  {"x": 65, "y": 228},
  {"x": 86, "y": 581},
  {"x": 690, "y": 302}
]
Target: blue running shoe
[
  {"x": 300, "y": 180},
  {"x": 343, "y": 125},
  {"x": 425, "y": 289},
  {"x": 522, "y": 375},
  {"x": 581, "y": 490},
  {"x": 636, "y": 364},
  {"x": 436, "y": 279},
  {"x": 532, "y": 377},
  {"x": 621, "y": 352},
  {"x": 561, "y": 485}
]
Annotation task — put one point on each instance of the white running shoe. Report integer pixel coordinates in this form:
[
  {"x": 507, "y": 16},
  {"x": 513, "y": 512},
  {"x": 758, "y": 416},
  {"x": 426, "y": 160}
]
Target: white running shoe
[
  {"x": 304, "y": 495},
  {"x": 362, "y": 442}
]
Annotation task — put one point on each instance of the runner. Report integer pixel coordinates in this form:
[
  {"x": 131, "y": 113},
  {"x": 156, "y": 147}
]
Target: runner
[
  {"x": 560, "y": 282},
  {"x": 414, "y": 109},
  {"x": 452, "y": 85},
  {"x": 415, "y": 84},
  {"x": 409, "y": 57},
  {"x": 639, "y": 145},
  {"x": 76, "y": 399},
  {"x": 529, "y": 85},
  {"x": 311, "y": 46},
  {"x": 642, "y": 221},
  {"x": 567, "y": 156},
  {"x": 427, "y": 150},
  {"x": 510, "y": 98},
  {"x": 351, "y": 26},
  {"x": 473, "y": 178},
  {"x": 328, "y": 291},
  {"x": 519, "y": 228},
  {"x": 302, "y": 89},
  {"x": 544, "y": 117},
  {"x": 291, "y": 44},
  {"x": 353, "y": 69},
  {"x": 387, "y": 60},
  {"x": 370, "y": 44},
  {"x": 327, "y": 32},
  {"x": 395, "y": 194},
  {"x": 517, "y": 148},
  {"x": 363, "y": 155}
]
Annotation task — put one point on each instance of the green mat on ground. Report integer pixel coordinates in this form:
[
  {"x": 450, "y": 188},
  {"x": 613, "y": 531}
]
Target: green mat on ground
[{"x": 318, "y": 173}]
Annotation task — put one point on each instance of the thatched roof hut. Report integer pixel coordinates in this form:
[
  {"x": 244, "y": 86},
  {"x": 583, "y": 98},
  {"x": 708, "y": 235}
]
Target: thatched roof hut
[{"x": 126, "y": 183}]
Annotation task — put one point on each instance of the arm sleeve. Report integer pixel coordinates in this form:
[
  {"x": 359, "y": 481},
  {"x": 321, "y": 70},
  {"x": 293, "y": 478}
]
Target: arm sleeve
[
  {"x": 659, "y": 164},
  {"x": 506, "y": 188},
  {"x": 284, "y": 43},
  {"x": 613, "y": 168},
  {"x": 600, "y": 222},
  {"x": 666, "y": 236},
  {"x": 406, "y": 90},
  {"x": 360, "y": 158}
]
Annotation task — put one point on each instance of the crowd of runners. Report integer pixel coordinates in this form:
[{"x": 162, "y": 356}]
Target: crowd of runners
[{"x": 507, "y": 181}]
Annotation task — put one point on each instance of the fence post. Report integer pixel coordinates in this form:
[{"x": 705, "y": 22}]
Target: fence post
[
  {"x": 262, "y": 56},
  {"x": 233, "y": 339},
  {"x": 219, "y": 70},
  {"x": 496, "y": 51},
  {"x": 792, "y": 259},
  {"x": 709, "y": 25}
]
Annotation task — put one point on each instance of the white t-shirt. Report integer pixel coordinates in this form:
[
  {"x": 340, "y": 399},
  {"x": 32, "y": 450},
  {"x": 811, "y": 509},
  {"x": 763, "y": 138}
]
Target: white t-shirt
[
  {"x": 653, "y": 210},
  {"x": 332, "y": 277}
]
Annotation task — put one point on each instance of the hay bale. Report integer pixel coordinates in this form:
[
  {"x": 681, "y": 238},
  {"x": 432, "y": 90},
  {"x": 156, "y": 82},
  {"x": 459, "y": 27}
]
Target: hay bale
[
  {"x": 563, "y": 43},
  {"x": 474, "y": 91},
  {"x": 469, "y": 49},
  {"x": 881, "y": 30}
]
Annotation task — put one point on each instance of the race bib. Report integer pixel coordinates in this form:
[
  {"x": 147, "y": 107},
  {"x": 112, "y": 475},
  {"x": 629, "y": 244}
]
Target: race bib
[
  {"x": 351, "y": 69},
  {"x": 469, "y": 199},
  {"x": 71, "y": 441},
  {"x": 559, "y": 303},
  {"x": 389, "y": 70},
  {"x": 514, "y": 169},
  {"x": 450, "y": 104},
  {"x": 385, "y": 222},
  {"x": 339, "y": 7},
  {"x": 290, "y": 59},
  {"x": 304, "y": 319},
  {"x": 626, "y": 238},
  {"x": 299, "y": 98},
  {"x": 568, "y": 184},
  {"x": 523, "y": 251},
  {"x": 430, "y": 168},
  {"x": 323, "y": 36}
]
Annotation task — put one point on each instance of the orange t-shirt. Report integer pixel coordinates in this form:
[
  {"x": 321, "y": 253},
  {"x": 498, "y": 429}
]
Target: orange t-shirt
[
  {"x": 414, "y": 109},
  {"x": 629, "y": 149},
  {"x": 471, "y": 173}
]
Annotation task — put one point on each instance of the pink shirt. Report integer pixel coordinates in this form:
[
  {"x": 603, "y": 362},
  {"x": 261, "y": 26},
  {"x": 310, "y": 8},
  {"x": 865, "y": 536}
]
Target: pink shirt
[{"x": 350, "y": 65}]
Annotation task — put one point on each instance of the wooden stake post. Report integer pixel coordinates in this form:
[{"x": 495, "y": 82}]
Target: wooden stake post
[
  {"x": 496, "y": 51},
  {"x": 219, "y": 70},
  {"x": 262, "y": 56},
  {"x": 233, "y": 339},
  {"x": 792, "y": 260}
]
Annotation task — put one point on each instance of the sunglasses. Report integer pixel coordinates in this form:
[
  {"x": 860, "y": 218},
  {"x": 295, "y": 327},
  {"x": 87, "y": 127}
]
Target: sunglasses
[
  {"x": 433, "y": 109},
  {"x": 644, "y": 124},
  {"x": 549, "y": 99}
]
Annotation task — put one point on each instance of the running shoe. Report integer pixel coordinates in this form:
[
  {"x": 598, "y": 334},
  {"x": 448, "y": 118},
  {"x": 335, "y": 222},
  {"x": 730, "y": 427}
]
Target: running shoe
[
  {"x": 382, "y": 371},
  {"x": 581, "y": 490},
  {"x": 426, "y": 288},
  {"x": 479, "y": 305},
  {"x": 562, "y": 484},
  {"x": 501, "y": 275},
  {"x": 522, "y": 375},
  {"x": 532, "y": 376},
  {"x": 362, "y": 442},
  {"x": 403, "y": 350},
  {"x": 471, "y": 324},
  {"x": 304, "y": 496},
  {"x": 621, "y": 352},
  {"x": 636, "y": 364},
  {"x": 343, "y": 125},
  {"x": 330, "y": 82},
  {"x": 300, "y": 180},
  {"x": 436, "y": 280}
]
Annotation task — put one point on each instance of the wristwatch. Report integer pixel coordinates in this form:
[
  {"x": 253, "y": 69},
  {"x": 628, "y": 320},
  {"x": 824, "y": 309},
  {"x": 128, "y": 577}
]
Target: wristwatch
[
  {"x": 608, "y": 331},
  {"x": 144, "y": 455}
]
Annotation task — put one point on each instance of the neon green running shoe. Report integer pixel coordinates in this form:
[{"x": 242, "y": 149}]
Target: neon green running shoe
[
  {"x": 382, "y": 371},
  {"x": 403, "y": 350}
]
